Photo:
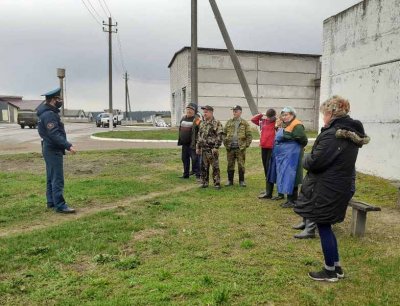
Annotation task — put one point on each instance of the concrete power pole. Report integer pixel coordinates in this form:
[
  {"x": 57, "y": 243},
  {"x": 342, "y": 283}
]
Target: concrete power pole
[
  {"x": 61, "y": 76},
  {"x": 126, "y": 78},
  {"x": 110, "y": 31},
  {"x": 242, "y": 78},
  {"x": 193, "y": 54}
]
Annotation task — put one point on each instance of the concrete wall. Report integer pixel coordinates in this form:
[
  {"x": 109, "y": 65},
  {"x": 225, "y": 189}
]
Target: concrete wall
[
  {"x": 275, "y": 80},
  {"x": 179, "y": 82},
  {"x": 361, "y": 61}
]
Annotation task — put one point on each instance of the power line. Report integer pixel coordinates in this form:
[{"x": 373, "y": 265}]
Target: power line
[
  {"x": 101, "y": 4},
  {"x": 98, "y": 15},
  {"x": 121, "y": 53},
  {"x": 94, "y": 17},
  {"x": 107, "y": 7}
]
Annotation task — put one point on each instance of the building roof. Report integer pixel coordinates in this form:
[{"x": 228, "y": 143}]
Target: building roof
[
  {"x": 240, "y": 51},
  {"x": 5, "y": 97},
  {"x": 73, "y": 112},
  {"x": 27, "y": 104}
]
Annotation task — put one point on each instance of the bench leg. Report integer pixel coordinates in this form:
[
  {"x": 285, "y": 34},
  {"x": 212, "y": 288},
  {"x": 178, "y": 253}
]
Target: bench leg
[{"x": 358, "y": 222}]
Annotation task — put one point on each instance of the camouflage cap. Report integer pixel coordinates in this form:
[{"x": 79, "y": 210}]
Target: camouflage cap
[{"x": 208, "y": 107}]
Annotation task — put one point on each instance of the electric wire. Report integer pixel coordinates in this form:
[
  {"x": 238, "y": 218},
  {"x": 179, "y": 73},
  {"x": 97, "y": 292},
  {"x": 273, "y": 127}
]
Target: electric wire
[
  {"x": 107, "y": 7},
  {"x": 95, "y": 11},
  {"x": 101, "y": 4},
  {"x": 94, "y": 17}
]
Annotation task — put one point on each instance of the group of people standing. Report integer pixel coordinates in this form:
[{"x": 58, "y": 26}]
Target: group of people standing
[
  {"x": 330, "y": 180},
  {"x": 204, "y": 136}
]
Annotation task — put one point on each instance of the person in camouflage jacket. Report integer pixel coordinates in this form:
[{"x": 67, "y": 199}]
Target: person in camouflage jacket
[
  {"x": 208, "y": 142},
  {"x": 237, "y": 138}
]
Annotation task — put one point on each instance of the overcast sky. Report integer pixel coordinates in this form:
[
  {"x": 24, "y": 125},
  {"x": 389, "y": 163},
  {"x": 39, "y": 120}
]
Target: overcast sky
[{"x": 38, "y": 36}]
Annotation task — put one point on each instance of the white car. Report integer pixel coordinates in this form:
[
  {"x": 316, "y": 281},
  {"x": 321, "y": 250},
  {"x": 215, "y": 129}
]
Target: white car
[{"x": 104, "y": 120}]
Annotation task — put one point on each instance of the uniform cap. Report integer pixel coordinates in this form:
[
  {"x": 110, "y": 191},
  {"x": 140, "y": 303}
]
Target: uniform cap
[
  {"x": 237, "y": 107},
  {"x": 53, "y": 93},
  {"x": 208, "y": 107}
]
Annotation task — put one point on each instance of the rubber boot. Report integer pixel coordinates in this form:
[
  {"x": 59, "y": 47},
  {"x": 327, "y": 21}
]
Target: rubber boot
[
  {"x": 242, "y": 183},
  {"x": 291, "y": 198},
  {"x": 269, "y": 188},
  {"x": 231, "y": 174},
  {"x": 301, "y": 225},
  {"x": 308, "y": 232}
]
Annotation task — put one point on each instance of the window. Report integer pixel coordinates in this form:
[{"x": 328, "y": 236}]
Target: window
[{"x": 183, "y": 99}]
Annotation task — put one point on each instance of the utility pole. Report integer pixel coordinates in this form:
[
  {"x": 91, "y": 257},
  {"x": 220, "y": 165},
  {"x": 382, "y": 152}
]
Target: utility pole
[
  {"x": 126, "y": 78},
  {"x": 110, "y": 31},
  {"x": 235, "y": 60},
  {"x": 193, "y": 55}
]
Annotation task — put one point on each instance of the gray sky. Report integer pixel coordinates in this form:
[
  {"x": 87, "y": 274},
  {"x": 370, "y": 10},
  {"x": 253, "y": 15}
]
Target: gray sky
[{"x": 38, "y": 36}]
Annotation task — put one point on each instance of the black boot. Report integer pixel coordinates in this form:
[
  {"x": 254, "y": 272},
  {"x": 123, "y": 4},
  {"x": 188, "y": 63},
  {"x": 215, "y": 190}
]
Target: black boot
[
  {"x": 308, "y": 232},
  {"x": 301, "y": 225},
  {"x": 242, "y": 183},
  {"x": 269, "y": 188},
  {"x": 292, "y": 198},
  {"x": 231, "y": 175}
]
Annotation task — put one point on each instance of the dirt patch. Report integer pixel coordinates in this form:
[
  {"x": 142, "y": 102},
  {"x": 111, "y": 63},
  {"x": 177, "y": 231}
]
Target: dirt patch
[
  {"x": 57, "y": 219},
  {"x": 146, "y": 234}
]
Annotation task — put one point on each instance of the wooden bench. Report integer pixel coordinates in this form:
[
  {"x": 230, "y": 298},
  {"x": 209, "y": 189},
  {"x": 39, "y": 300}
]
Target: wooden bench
[{"x": 359, "y": 218}]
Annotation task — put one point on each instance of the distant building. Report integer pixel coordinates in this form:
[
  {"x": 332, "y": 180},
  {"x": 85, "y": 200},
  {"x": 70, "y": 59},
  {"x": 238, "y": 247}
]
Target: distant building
[
  {"x": 75, "y": 113},
  {"x": 10, "y": 105},
  {"x": 361, "y": 62},
  {"x": 275, "y": 79}
]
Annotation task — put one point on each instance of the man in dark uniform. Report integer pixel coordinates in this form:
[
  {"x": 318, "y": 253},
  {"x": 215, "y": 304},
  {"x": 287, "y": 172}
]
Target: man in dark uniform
[{"x": 54, "y": 144}]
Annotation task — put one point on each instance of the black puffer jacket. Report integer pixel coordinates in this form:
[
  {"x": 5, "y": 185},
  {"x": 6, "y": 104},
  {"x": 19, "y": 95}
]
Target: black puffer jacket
[{"x": 326, "y": 188}]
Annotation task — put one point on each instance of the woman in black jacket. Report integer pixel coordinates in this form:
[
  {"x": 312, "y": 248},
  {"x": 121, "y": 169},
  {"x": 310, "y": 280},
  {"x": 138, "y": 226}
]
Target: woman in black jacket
[{"x": 326, "y": 188}]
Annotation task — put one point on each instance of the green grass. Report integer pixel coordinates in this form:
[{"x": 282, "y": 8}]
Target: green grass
[
  {"x": 164, "y": 134},
  {"x": 193, "y": 247}
]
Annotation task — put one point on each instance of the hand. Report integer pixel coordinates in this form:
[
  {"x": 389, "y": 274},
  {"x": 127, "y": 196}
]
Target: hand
[
  {"x": 72, "y": 150},
  {"x": 264, "y": 117}
]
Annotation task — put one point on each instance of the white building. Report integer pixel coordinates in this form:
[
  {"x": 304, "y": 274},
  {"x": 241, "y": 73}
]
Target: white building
[
  {"x": 275, "y": 79},
  {"x": 361, "y": 61}
]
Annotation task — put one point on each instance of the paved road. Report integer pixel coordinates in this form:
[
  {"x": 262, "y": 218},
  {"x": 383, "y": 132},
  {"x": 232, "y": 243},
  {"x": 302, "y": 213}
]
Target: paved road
[{"x": 13, "y": 139}]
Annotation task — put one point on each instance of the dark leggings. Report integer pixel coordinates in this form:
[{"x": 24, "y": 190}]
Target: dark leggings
[
  {"x": 329, "y": 244},
  {"x": 266, "y": 157}
]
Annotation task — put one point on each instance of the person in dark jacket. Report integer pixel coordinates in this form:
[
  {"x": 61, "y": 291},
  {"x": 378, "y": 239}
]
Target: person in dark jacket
[
  {"x": 54, "y": 144},
  {"x": 327, "y": 187},
  {"x": 189, "y": 123},
  {"x": 267, "y": 137}
]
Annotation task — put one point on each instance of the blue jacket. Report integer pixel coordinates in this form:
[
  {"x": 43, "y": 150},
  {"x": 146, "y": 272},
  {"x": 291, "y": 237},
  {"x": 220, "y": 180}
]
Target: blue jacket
[{"x": 51, "y": 129}]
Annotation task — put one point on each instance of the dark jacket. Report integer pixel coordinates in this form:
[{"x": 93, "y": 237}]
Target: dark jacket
[
  {"x": 327, "y": 187},
  {"x": 51, "y": 129},
  {"x": 185, "y": 130}
]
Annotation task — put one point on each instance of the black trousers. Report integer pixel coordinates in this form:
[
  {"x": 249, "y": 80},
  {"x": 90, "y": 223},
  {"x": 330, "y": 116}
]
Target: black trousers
[
  {"x": 266, "y": 157},
  {"x": 190, "y": 154}
]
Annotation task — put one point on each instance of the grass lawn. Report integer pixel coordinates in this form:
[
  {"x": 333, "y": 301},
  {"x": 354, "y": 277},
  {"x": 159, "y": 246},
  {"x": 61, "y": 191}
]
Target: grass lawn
[
  {"x": 144, "y": 237},
  {"x": 164, "y": 134}
]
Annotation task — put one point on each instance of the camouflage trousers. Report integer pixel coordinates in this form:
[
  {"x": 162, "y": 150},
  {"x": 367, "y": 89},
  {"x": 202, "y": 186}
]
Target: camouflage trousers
[
  {"x": 236, "y": 154},
  {"x": 208, "y": 158}
]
